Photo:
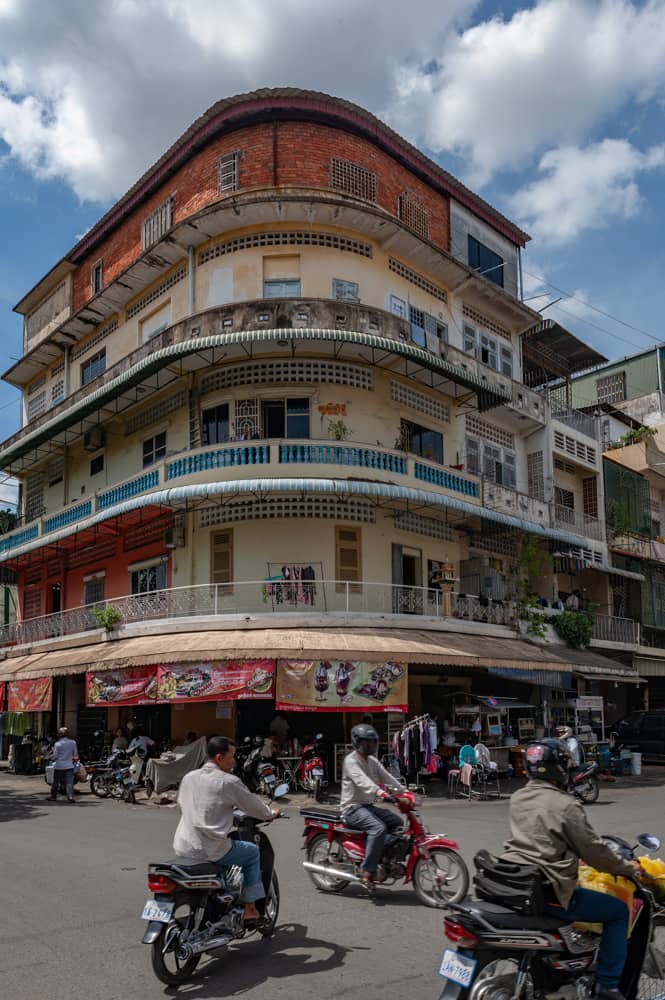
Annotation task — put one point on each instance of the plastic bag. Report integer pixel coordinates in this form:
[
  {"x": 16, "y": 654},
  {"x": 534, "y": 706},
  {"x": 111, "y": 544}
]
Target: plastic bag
[
  {"x": 81, "y": 773},
  {"x": 611, "y": 885}
]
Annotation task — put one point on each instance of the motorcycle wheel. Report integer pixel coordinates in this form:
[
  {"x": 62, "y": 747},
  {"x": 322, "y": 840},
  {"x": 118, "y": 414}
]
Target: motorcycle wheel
[
  {"x": 99, "y": 786},
  {"x": 166, "y": 965},
  {"x": 494, "y": 979},
  {"x": 317, "y": 853},
  {"x": 116, "y": 790},
  {"x": 442, "y": 879},
  {"x": 267, "y": 926},
  {"x": 318, "y": 790},
  {"x": 588, "y": 791},
  {"x": 651, "y": 985}
]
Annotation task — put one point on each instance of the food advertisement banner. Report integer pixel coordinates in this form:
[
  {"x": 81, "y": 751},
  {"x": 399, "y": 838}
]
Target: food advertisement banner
[
  {"x": 109, "y": 688},
  {"x": 225, "y": 681},
  {"x": 341, "y": 686},
  {"x": 30, "y": 696}
]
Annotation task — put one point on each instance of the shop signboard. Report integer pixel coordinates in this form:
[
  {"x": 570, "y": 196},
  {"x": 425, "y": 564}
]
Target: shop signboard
[
  {"x": 341, "y": 686},
  {"x": 112, "y": 688},
  {"x": 30, "y": 696},
  {"x": 228, "y": 680}
]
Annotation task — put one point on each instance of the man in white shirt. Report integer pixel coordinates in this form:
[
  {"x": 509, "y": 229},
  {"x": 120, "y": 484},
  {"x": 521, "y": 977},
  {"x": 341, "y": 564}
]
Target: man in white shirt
[
  {"x": 364, "y": 781},
  {"x": 207, "y": 799},
  {"x": 139, "y": 739},
  {"x": 65, "y": 755}
]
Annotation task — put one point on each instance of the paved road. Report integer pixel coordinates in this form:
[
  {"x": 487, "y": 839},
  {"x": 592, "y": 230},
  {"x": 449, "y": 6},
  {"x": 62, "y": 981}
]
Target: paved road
[{"x": 73, "y": 884}]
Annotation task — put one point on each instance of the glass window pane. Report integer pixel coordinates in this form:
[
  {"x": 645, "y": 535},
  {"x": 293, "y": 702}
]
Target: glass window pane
[
  {"x": 297, "y": 418},
  {"x": 215, "y": 424},
  {"x": 281, "y": 289}
]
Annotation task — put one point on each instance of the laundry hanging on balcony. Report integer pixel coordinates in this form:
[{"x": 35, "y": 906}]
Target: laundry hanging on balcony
[
  {"x": 294, "y": 584},
  {"x": 571, "y": 564}
]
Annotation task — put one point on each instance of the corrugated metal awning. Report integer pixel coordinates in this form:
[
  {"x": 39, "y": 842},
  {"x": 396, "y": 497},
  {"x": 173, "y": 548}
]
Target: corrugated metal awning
[
  {"x": 445, "y": 649},
  {"x": 650, "y": 666}
]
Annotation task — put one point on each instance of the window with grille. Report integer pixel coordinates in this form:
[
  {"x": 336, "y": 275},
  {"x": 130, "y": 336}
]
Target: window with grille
[
  {"x": 56, "y": 471},
  {"x": 422, "y": 441},
  {"x": 228, "y": 172},
  {"x": 398, "y": 306},
  {"x": 57, "y": 392},
  {"x": 412, "y": 212},
  {"x": 97, "y": 277},
  {"x": 590, "y": 496},
  {"x": 278, "y": 288},
  {"x": 36, "y": 405},
  {"x": 489, "y": 460},
  {"x": 469, "y": 340},
  {"x": 344, "y": 175},
  {"x": 345, "y": 291},
  {"x": 221, "y": 557},
  {"x": 158, "y": 222},
  {"x": 423, "y": 325},
  {"x": 93, "y": 589},
  {"x": 148, "y": 578},
  {"x": 482, "y": 259},
  {"x": 348, "y": 557},
  {"x": 536, "y": 475},
  {"x": 93, "y": 367},
  {"x": 564, "y": 498},
  {"x": 34, "y": 497},
  {"x": 611, "y": 388},
  {"x": 32, "y": 603},
  {"x": 154, "y": 449}
]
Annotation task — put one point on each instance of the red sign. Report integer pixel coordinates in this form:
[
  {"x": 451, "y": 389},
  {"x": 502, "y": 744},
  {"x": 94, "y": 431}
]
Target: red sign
[
  {"x": 133, "y": 686},
  {"x": 30, "y": 696},
  {"x": 225, "y": 681}
]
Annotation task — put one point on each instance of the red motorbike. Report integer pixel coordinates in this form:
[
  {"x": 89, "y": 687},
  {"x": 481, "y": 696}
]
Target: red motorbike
[
  {"x": 430, "y": 862},
  {"x": 312, "y": 771}
]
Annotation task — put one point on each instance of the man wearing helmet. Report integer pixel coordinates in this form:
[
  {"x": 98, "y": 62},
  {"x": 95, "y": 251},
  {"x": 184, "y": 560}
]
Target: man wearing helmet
[
  {"x": 566, "y": 735},
  {"x": 549, "y": 828},
  {"x": 364, "y": 782}
]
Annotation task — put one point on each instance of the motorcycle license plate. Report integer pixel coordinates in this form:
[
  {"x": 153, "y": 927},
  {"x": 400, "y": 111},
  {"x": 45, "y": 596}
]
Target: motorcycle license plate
[
  {"x": 457, "y": 968},
  {"x": 270, "y": 779},
  {"x": 317, "y": 772},
  {"x": 154, "y": 910}
]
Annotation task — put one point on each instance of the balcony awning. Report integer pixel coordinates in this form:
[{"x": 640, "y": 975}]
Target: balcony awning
[
  {"x": 342, "y": 488},
  {"x": 376, "y": 645}
]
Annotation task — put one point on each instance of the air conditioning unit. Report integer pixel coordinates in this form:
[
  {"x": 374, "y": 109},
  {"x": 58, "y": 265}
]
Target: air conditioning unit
[
  {"x": 93, "y": 439},
  {"x": 174, "y": 538}
]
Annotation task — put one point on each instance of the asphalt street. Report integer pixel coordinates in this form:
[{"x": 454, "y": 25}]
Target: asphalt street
[{"x": 73, "y": 886}]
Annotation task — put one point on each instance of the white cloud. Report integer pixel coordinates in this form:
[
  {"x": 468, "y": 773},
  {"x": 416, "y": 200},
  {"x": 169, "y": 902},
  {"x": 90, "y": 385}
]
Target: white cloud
[
  {"x": 94, "y": 96},
  {"x": 506, "y": 90},
  {"x": 584, "y": 189}
]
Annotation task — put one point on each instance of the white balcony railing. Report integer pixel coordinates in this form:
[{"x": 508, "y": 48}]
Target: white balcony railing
[
  {"x": 607, "y": 628},
  {"x": 575, "y": 520},
  {"x": 260, "y": 597}
]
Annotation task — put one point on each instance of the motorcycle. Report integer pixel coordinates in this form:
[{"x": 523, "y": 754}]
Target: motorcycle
[
  {"x": 196, "y": 907},
  {"x": 112, "y": 777},
  {"x": 502, "y": 954},
  {"x": 583, "y": 783},
  {"x": 257, "y": 772},
  {"x": 312, "y": 771},
  {"x": 430, "y": 862}
]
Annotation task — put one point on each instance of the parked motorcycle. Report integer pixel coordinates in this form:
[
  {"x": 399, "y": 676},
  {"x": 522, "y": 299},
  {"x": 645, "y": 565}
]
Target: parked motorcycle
[
  {"x": 583, "y": 783},
  {"x": 256, "y": 771},
  {"x": 431, "y": 862},
  {"x": 112, "y": 777},
  {"x": 196, "y": 907},
  {"x": 312, "y": 771},
  {"x": 502, "y": 953}
]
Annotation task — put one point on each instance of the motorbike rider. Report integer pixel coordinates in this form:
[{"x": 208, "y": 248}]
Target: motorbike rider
[
  {"x": 207, "y": 798},
  {"x": 567, "y": 736},
  {"x": 549, "y": 829},
  {"x": 364, "y": 781}
]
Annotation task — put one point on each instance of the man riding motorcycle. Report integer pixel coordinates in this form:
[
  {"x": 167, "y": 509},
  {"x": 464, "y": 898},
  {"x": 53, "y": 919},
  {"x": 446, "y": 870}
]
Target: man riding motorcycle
[
  {"x": 566, "y": 735},
  {"x": 549, "y": 829},
  {"x": 364, "y": 781}
]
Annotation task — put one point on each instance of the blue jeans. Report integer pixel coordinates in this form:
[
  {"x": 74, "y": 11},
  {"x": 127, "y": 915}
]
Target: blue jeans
[
  {"x": 377, "y": 824},
  {"x": 596, "y": 907},
  {"x": 63, "y": 776},
  {"x": 248, "y": 859}
]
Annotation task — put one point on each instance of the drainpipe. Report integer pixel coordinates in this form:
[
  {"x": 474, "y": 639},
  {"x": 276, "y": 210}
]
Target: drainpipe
[
  {"x": 519, "y": 265},
  {"x": 65, "y": 375},
  {"x": 190, "y": 280},
  {"x": 660, "y": 379}
]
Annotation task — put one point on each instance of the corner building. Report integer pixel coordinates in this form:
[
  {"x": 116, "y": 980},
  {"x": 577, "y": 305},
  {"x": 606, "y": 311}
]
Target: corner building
[{"x": 283, "y": 403}]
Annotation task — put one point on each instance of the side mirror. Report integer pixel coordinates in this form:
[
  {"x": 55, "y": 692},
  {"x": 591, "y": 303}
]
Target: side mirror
[
  {"x": 648, "y": 841},
  {"x": 280, "y": 791}
]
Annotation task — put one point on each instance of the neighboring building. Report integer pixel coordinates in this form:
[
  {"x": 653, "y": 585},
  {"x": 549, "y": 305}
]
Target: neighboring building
[{"x": 279, "y": 403}]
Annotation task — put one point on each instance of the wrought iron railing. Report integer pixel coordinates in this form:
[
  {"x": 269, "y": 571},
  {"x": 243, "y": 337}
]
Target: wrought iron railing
[
  {"x": 575, "y": 520},
  {"x": 257, "y": 597}
]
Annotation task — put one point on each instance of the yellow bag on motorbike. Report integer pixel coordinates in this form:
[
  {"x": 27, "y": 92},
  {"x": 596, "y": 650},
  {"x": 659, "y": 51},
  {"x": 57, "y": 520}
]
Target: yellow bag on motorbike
[
  {"x": 655, "y": 869},
  {"x": 610, "y": 885}
]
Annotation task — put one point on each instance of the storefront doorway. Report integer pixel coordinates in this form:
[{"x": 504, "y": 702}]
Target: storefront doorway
[{"x": 407, "y": 580}]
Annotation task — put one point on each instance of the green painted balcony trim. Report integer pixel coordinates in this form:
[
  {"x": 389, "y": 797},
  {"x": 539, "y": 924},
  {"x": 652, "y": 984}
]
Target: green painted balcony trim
[{"x": 129, "y": 489}]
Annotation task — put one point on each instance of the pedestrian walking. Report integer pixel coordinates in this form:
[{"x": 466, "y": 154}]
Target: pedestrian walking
[{"x": 65, "y": 756}]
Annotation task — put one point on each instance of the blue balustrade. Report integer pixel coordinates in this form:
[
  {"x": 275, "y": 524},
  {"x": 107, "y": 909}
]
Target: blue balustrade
[
  {"x": 19, "y": 538},
  {"x": 219, "y": 458},
  {"x": 333, "y": 454},
  {"x": 446, "y": 479},
  {"x": 68, "y": 516},
  {"x": 127, "y": 490}
]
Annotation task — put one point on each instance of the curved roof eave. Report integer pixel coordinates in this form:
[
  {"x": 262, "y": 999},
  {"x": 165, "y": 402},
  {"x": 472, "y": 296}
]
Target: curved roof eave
[
  {"x": 488, "y": 395},
  {"x": 338, "y": 487}
]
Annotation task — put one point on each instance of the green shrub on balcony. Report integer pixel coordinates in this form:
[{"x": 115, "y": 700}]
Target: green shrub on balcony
[
  {"x": 107, "y": 617},
  {"x": 575, "y": 628}
]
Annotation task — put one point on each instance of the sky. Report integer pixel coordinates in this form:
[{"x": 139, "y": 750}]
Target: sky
[{"x": 553, "y": 111}]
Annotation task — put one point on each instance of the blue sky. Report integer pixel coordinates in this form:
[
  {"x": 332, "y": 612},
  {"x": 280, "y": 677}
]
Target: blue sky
[{"x": 552, "y": 110}]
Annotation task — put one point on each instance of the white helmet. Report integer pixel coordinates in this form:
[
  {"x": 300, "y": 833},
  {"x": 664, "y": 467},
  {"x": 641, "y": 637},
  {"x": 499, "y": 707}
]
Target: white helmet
[{"x": 564, "y": 732}]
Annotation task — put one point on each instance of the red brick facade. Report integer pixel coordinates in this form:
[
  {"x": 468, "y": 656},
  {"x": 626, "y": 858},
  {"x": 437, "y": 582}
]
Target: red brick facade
[{"x": 283, "y": 154}]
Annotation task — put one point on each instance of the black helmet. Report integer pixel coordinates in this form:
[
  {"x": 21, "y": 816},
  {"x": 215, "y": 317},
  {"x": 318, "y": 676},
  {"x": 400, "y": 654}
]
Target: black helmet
[
  {"x": 547, "y": 760},
  {"x": 365, "y": 738}
]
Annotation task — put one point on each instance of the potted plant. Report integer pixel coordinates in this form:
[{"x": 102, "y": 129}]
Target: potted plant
[
  {"x": 338, "y": 430},
  {"x": 107, "y": 617}
]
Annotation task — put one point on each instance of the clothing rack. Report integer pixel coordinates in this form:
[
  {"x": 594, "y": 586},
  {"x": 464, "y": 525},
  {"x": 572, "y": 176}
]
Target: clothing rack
[{"x": 415, "y": 722}]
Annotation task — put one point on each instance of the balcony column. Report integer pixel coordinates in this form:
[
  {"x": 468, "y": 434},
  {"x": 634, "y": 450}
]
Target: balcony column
[{"x": 190, "y": 281}]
